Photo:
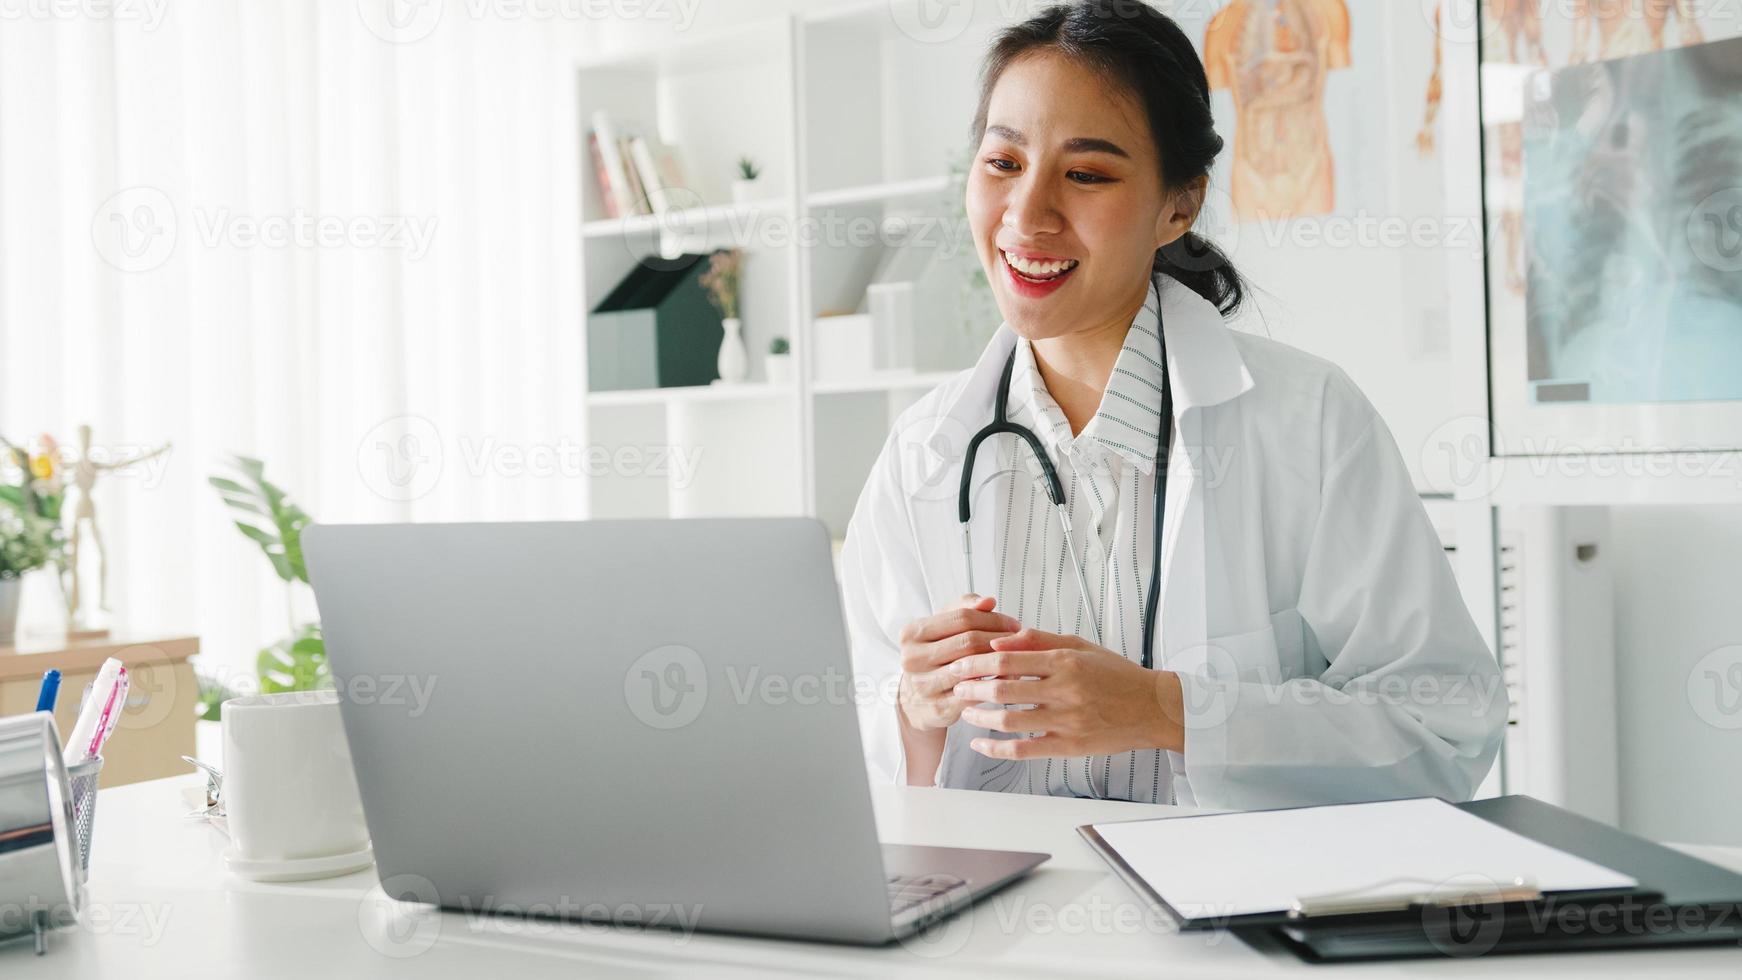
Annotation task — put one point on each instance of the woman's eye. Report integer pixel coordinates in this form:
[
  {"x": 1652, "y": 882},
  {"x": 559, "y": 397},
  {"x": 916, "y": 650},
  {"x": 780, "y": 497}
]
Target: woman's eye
[
  {"x": 998, "y": 163},
  {"x": 1086, "y": 178}
]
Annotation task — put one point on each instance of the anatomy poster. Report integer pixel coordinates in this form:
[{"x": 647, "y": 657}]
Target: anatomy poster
[{"x": 1274, "y": 57}]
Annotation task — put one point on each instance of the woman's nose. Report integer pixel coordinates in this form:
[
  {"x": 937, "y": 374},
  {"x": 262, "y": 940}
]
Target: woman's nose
[{"x": 1030, "y": 210}]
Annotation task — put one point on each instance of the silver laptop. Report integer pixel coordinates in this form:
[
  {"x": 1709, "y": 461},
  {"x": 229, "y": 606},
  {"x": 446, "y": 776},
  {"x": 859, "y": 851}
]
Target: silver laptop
[{"x": 639, "y": 720}]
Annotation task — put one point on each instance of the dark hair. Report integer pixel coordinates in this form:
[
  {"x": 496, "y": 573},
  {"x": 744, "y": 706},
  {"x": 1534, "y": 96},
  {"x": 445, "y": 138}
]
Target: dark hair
[{"x": 1142, "y": 49}]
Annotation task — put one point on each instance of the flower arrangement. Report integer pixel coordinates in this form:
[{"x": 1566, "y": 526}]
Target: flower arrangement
[
  {"x": 725, "y": 268},
  {"x": 779, "y": 346},
  {"x": 30, "y": 509},
  {"x": 747, "y": 169}
]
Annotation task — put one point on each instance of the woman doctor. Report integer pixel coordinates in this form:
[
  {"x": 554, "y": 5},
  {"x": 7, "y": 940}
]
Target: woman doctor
[{"x": 1306, "y": 640}]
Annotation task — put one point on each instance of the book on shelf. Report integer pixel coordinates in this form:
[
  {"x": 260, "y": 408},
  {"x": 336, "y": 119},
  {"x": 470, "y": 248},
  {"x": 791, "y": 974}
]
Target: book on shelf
[
  {"x": 613, "y": 169},
  {"x": 636, "y": 171}
]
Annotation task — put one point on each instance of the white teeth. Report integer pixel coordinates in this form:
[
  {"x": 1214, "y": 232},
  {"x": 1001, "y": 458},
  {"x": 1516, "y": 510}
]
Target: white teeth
[{"x": 1039, "y": 269}]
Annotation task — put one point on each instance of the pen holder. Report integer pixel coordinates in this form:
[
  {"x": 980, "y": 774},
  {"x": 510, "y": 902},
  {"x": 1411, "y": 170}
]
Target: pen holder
[
  {"x": 83, "y": 779},
  {"x": 41, "y": 886}
]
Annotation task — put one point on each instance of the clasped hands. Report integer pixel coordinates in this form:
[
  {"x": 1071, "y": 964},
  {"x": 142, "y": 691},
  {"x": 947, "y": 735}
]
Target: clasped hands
[{"x": 1087, "y": 699}]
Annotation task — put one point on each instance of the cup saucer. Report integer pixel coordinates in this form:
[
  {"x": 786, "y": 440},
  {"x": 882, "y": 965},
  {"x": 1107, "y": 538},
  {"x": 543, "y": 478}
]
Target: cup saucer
[{"x": 299, "y": 869}]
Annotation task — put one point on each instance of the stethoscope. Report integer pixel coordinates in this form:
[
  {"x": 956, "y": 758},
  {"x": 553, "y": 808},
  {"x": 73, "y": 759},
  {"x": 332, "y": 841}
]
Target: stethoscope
[{"x": 1055, "y": 490}]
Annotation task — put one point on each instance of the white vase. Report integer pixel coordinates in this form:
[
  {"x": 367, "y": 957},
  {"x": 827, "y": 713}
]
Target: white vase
[
  {"x": 733, "y": 362},
  {"x": 778, "y": 367},
  {"x": 10, "y": 589},
  {"x": 744, "y": 191}
]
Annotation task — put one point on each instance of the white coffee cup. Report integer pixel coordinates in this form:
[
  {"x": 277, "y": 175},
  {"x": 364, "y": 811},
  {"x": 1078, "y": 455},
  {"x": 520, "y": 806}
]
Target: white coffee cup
[{"x": 290, "y": 791}]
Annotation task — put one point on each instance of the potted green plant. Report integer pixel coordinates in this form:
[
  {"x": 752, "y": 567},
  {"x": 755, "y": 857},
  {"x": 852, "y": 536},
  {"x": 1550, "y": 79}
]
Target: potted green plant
[
  {"x": 777, "y": 363},
  {"x": 265, "y": 514},
  {"x": 30, "y": 531},
  {"x": 744, "y": 187}
]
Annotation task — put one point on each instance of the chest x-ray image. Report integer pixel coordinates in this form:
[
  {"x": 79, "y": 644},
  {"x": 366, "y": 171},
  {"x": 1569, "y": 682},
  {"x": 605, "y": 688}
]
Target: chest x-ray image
[{"x": 1633, "y": 217}]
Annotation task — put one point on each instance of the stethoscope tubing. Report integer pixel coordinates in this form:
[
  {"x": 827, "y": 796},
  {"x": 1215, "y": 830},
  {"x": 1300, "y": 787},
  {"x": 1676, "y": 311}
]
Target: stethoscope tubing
[{"x": 1001, "y": 425}]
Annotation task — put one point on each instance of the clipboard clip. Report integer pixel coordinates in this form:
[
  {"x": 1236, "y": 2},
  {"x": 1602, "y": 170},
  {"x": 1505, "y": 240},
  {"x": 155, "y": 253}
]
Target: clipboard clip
[{"x": 1382, "y": 897}]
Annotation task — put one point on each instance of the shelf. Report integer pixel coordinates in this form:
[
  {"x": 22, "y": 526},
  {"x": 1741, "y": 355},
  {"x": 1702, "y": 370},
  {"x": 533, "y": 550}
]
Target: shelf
[
  {"x": 683, "y": 221},
  {"x": 751, "y": 44},
  {"x": 1609, "y": 479},
  {"x": 888, "y": 191},
  {"x": 686, "y": 394},
  {"x": 883, "y": 381}
]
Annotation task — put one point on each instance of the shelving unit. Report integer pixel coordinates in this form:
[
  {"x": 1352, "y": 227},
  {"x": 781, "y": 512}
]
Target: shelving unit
[{"x": 860, "y": 129}]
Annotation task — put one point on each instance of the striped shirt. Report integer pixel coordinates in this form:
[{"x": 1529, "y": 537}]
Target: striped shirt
[{"x": 1108, "y": 473}]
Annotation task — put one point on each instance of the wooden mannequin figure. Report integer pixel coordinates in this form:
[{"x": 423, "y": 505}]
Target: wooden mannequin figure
[{"x": 85, "y": 473}]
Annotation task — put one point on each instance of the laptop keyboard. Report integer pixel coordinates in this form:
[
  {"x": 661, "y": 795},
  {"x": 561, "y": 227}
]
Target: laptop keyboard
[{"x": 906, "y": 891}]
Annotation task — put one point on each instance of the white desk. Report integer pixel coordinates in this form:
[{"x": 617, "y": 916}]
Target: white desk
[{"x": 163, "y": 906}]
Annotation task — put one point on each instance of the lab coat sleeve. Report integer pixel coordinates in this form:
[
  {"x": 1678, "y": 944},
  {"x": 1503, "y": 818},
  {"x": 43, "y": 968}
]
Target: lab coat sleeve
[
  {"x": 883, "y": 589},
  {"x": 1410, "y": 701}
]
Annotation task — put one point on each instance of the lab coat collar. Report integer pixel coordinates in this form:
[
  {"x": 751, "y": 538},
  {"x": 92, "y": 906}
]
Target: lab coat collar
[{"x": 1203, "y": 366}]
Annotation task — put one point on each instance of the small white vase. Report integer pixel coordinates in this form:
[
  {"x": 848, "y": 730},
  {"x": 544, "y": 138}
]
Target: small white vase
[
  {"x": 744, "y": 191},
  {"x": 10, "y": 590},
  {"x": 733, "y": 362},
  {"x": 778, "y": 367}
]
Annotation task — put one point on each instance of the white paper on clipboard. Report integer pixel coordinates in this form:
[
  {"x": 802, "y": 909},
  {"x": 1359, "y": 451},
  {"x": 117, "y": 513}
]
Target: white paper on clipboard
[{"x": 1260, "y": 862}]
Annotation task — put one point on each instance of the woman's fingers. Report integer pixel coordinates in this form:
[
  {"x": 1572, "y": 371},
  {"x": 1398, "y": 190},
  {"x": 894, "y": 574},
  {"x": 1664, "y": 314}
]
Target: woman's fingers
[
  {"x": 959, "y": 620},
  {"x": 1014, "y": 720},
  {"x": 918, "y": 658},
  {"x": 1003, "y": 691},
  {"x": 1044, "y": 746},
  {"x": 997, "y": 663},
  {"x": 1033, "y": 639}
]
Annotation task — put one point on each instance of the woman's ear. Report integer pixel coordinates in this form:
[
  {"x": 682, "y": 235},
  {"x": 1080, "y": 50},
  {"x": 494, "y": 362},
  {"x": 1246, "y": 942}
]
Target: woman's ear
[{"x": 1180, "y": 212}]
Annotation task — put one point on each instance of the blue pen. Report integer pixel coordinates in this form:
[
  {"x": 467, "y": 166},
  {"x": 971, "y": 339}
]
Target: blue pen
[{"x": 50, "y": 688}]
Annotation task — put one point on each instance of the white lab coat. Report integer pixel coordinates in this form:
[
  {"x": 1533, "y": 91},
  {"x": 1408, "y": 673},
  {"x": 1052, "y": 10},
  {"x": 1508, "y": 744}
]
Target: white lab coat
[{"x": 1323, "y": 649}]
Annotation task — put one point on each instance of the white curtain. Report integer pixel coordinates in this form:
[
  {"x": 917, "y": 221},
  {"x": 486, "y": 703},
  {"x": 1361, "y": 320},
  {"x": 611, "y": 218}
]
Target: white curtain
[{"x": 298, "y": 231}]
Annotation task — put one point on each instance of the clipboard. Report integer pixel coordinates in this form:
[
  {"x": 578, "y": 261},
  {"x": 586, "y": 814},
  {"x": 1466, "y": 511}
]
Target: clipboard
[{"x": 1669, "y": 885}]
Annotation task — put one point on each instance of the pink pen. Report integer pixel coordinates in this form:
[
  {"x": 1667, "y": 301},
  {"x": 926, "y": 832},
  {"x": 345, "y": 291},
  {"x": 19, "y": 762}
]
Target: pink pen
[{"x": 111, "y": 714}]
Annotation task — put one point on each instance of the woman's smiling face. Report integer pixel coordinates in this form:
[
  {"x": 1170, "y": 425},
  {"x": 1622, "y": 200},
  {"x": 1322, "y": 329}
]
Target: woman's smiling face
[{"x": 1067, "y": 185}]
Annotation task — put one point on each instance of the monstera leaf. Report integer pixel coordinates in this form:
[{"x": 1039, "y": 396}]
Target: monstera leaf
[
  {"x": 296, "y": 663},
  {"x": 265, "y": 513}
]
